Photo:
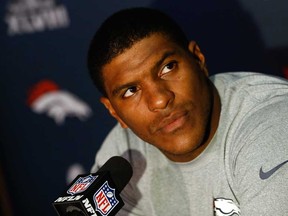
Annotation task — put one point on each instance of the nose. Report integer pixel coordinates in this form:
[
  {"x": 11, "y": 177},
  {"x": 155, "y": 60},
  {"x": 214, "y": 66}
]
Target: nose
[{"x": 159, "y": 96}]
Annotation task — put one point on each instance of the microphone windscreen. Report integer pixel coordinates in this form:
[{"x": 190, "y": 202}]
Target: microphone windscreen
[{"x": 120, "y": 171}]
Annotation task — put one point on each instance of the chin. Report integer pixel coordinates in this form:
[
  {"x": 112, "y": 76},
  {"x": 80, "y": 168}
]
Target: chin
[{"x": 183, "y": 151}]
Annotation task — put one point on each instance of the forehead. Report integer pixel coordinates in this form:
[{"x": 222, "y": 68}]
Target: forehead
[{"x": 141, "y": 52}]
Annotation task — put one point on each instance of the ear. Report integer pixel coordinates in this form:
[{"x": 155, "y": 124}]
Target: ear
[
  {"x": 106, "y": 102},
  {"x": 198, "y": 55}
]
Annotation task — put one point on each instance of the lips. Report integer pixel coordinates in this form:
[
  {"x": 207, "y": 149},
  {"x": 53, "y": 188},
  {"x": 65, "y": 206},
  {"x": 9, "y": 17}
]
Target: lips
[{"x": 172, "y": 122}]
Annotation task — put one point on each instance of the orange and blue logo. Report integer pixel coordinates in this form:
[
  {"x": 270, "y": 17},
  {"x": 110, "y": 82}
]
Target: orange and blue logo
[{"x": 46, "y": 97}]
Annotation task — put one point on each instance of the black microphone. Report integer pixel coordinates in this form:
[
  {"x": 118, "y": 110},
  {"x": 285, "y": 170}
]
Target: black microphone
[{"x": 96, "y": 194}]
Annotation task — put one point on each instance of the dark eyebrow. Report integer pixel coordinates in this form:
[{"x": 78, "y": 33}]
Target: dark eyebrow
[
  {"x": 164, "y": 56},
  {"x": 118, "y": 89},
  {"x": 157, "y": 65}
]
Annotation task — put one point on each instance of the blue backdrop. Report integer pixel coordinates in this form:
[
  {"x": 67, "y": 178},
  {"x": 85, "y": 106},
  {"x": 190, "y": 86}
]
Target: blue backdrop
[{"x": 51, "y": 123}]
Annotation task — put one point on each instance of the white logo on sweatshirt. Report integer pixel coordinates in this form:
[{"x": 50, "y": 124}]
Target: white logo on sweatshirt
[{"x": 225, "y": 207}]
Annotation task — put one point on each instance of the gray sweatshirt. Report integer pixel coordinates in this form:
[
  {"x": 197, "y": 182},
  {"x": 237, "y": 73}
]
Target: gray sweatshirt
[{"x": 243, "y": 171}]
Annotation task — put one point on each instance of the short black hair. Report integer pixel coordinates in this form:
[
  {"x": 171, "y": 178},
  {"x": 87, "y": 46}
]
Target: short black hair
[{"x": 122, "y": 30}]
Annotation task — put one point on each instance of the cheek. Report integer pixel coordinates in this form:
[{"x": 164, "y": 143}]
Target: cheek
[
  {"x": 134, "y": 116},
  {"x": 139, "y": 124},
  {"x": 185, "y": 87},
  {"x": 196, "y": 84}
]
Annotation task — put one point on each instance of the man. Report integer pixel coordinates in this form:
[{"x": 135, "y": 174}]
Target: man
[{"x": 198, "y": 145}]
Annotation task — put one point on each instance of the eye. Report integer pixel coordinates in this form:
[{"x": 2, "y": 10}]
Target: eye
[
  {"x": 168, "y": 67},
  {"x": 130, "y": 91}
]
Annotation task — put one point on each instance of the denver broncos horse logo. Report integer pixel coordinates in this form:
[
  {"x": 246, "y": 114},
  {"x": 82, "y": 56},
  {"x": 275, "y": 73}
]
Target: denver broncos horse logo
[
  {"x": 46, "y": 97},
  {"x": 225, "y": 207}
]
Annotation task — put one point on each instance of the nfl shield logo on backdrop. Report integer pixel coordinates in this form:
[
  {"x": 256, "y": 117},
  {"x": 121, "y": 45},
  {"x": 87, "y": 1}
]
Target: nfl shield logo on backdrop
[
  {"x": 105, "y": 199},
  {"x": 81, "y": 184}
]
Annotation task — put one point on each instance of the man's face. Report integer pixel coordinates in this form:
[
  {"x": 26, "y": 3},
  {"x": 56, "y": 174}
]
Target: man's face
[{"x": 161, "y": 92}]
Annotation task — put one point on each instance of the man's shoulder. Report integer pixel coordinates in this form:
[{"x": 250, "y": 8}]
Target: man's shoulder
[
  {"x": 254, "y": 85},
  {"x": 252, "y": 103},
  {"x": 244, "y": 77}
]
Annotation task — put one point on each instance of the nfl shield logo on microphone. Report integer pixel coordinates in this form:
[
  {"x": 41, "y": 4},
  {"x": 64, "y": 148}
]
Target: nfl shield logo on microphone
[
  {"x": 81, "y": 184},
  {"x": 105, "y": 199}
]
